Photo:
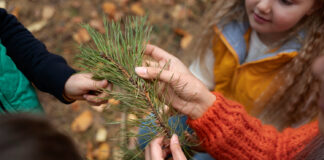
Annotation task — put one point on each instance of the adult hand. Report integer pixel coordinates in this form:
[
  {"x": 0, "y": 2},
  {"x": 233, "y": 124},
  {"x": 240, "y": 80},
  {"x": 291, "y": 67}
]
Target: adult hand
[
  {"x": 80, "y": 85},
  {"x": 186, "y": 93},
  {"x": 154, "y": 150}
]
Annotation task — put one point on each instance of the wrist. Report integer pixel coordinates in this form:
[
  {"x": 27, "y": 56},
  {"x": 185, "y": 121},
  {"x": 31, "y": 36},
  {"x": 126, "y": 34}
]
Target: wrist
[
  {"x": 67, "y": 98},
  {"x": 202, "y": 107}
]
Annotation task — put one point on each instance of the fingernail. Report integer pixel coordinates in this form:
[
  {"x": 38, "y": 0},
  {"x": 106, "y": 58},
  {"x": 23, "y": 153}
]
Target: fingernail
[
  {"x": 174, "y": 139},
  {"x": 103, "y": 82},
  {"x": 141, "y": 70}
]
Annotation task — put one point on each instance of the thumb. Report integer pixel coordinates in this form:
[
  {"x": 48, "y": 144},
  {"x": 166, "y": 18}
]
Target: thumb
[{"x": 177, "y": 153}]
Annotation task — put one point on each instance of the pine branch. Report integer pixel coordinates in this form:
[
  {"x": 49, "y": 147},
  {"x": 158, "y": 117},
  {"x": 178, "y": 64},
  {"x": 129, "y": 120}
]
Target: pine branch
[{"x": 113, "y": 56}]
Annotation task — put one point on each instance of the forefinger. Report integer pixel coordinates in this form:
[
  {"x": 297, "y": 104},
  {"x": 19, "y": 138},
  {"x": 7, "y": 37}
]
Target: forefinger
[{"x": 157, "y": 53}]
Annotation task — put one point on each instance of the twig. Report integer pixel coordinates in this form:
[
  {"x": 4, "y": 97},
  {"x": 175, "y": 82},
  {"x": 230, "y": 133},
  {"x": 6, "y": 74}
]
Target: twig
[{"x": 148, "y": 99}]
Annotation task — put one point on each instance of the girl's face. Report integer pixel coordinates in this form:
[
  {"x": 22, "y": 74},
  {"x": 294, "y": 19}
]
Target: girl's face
[{"x": 276, "y": 16}]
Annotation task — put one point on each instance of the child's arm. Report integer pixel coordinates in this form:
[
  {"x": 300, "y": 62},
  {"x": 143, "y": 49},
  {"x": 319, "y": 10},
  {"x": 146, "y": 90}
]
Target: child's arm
[
  {"x": 49, "y": 72},
  {"x": 228, "y": 132}
]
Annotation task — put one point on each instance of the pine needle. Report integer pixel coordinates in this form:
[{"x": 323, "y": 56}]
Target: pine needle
[{"x": 114, "y": 56}]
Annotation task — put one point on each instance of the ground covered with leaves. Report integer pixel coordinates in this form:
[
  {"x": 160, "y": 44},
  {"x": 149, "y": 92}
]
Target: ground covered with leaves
[{"x": 57, "y": 24}]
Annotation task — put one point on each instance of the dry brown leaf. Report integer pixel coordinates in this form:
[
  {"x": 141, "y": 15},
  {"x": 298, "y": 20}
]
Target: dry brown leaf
[
  {"x": 15, "y": 11},
  {"x": 82, "y": 122},
  {"x": 2, "y": 4},
  {"x": 109, "y": 8},
  {"x": 137, "y": 9},
  {"x": 99, "y": 108},
  {"x": 48, "y": 12},
  {"x": 180, "y": 31},
  {"x": 37, "y": 26},
  {"x": 82, "y": 36},
  {"x": 179, "y": 12},
  {"x": 97, "y": 24},
  {"x": 94, "y": 14},
  {"x": 185, "y": 41},
  {"x": 89, "y": 154},
  {"x": 77, "y": 19},
  {"x": 131, "y": 117},
  {"x": 186, "y": 37},
  {"x": 103, "y": 152},
  {"x": 113, "y": 101},
  {"x": 118, "y": 15},
  {"x": 101, "y": 135}
]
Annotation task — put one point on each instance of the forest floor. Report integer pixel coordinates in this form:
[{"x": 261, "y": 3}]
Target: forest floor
[{"x": 57, "y": 24}]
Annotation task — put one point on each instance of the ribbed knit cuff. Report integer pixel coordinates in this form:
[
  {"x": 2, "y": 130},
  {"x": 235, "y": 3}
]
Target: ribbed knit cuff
[{"x": 227, "y": 131}]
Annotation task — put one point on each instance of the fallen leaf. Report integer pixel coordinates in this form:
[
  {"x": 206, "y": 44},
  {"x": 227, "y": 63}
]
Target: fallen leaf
[
  {"x": 82, "y": 122},
  {"x": 180, "y": 31},
  {"x": 89, "y": 154},
  {"x": 2, "y": 4},
  {"x": 94, "y": 14},
  {"x": 97, "y": 24},
  {"x": 101, "y": 135},
  {"x": 109, "y": 8},
  {"x": 137, "y": 9},
  {"x": 37, "y": 26},
  {"x": 131, "y": 117},
  {"x": 77, "y": 19},
  {"x": 99, "y": 108},
  {"x": 103, "y": 152},
  {"x": 180, "y": 12},
  {"x": 186, "y": 37},
  {"x": 113, "y": 101},
  {"x": 118, "y": 15},
  {"x": 15, "y": 11},
  {"x": 185, "y": 41},
  {"x": 48, "y": 12},
  {"x": 82, "y": 36}
]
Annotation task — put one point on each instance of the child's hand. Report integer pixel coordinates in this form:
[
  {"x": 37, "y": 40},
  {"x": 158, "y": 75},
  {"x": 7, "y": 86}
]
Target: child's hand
[
  {"x": 187, "y": 94},
  {"x": 154, "y": 151},
  {"x": 79, "y": 85}
]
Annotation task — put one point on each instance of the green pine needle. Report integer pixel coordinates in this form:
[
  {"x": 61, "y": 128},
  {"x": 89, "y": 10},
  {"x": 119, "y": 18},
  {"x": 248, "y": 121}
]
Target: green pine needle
[{"x": 114, "y": 57}]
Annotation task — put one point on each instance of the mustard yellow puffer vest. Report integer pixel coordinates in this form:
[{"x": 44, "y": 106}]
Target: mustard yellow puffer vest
[{"x": 244, "y": 82}]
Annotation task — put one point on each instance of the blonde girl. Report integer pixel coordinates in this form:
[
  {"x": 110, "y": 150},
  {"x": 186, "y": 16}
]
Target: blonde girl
[{"x": 258, "y": 52}]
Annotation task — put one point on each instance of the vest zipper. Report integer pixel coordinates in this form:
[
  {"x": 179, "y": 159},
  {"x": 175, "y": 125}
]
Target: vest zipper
[{"x": 2, "y": 107}]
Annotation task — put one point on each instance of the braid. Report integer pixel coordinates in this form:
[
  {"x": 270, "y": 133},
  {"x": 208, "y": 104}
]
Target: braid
[{"x": 294, "y": 100}]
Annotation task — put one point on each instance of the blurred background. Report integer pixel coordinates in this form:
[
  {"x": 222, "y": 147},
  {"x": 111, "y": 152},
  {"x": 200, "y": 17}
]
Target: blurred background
[{"x": 57, "y": 24}]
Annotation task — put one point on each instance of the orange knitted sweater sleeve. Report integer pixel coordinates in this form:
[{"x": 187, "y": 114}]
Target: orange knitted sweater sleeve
[{"x": 228, "y": 132}]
